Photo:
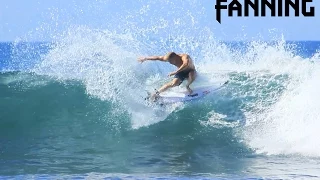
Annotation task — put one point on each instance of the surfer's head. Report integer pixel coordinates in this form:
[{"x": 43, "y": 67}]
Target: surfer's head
[{"x": 170, "y": 57}]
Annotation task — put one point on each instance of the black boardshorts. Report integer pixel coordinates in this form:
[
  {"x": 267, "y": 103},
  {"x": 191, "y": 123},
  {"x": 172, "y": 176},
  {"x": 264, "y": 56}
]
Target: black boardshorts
[{"x": 183, "y": 75}]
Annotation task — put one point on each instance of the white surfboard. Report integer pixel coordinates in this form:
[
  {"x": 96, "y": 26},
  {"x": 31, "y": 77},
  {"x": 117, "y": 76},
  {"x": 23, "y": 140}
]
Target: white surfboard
[{"x": 174, "y": 97}]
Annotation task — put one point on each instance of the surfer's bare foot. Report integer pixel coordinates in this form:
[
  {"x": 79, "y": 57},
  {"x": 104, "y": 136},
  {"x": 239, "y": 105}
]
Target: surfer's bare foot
[
  {"x": 154, "y": 96},
  {"x": 189, "y": 90}
]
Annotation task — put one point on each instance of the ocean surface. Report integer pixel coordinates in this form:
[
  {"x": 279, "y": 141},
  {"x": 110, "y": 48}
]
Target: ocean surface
[
  {"x": 73, "y": 111},
  {"x": 72, "y": 105}
]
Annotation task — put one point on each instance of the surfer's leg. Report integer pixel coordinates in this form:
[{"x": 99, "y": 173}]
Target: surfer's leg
[
  {"x": 191, "y": 78},
  {"x": 173, "y": 83}
]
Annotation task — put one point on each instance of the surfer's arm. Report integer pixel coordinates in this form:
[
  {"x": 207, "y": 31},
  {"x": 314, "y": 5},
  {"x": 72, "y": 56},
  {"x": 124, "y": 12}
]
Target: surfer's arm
[{"x": 152, "y": 58}]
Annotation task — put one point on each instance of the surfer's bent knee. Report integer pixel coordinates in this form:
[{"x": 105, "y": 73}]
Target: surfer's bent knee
[{"x": 174, "y": 83}]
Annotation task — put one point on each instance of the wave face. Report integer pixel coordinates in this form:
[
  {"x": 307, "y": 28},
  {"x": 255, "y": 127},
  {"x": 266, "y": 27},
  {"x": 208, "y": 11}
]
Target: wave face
[
  {"x": 76, "y": 105},
  {"x": 52, "y": 123}
]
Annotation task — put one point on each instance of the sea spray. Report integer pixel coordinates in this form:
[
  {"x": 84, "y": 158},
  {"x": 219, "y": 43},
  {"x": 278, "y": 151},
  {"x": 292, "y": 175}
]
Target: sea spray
[{"x": 290, "y": 125}]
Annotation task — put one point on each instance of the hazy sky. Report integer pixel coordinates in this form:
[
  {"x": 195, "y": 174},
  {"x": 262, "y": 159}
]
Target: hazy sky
[{"x": 42, "y": 17}]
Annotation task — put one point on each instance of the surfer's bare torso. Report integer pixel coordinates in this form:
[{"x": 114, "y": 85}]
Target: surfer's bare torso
[{"x": 178, "y": 63}]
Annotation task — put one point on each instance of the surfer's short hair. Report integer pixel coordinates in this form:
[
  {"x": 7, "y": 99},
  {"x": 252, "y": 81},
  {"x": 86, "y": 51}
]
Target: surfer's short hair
[{"x": 170, "y": 55}]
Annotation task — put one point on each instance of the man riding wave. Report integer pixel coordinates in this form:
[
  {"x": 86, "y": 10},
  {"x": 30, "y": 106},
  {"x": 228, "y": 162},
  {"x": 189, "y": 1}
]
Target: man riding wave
[{"x": 186, "y": 70}]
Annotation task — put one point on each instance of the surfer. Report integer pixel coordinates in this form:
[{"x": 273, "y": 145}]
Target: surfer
[{"x": 186, "y": 70}]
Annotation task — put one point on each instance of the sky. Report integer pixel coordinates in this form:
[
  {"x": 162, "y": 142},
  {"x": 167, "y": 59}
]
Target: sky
[{"x": 40, "y": 20}]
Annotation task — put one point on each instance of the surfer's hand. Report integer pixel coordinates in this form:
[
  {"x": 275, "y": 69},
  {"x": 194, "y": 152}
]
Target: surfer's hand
[
  {"x": 172, "y": 74},
  {"x": 142, "y": 59}
]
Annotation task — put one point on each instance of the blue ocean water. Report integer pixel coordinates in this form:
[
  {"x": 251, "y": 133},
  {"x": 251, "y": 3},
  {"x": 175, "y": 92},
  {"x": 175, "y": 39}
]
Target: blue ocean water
[
  {"x": 73, "y": 107},
  {"x": 63, "y": 119}
]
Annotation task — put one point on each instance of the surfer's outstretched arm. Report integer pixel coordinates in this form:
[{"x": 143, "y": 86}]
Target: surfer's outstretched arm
[{"x": 152, "y": 58}]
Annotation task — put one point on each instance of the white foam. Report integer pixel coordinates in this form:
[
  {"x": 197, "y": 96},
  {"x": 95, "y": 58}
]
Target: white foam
[
  {"x": 290, "y": 126},
  {"x": 278, "y": 121}
]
